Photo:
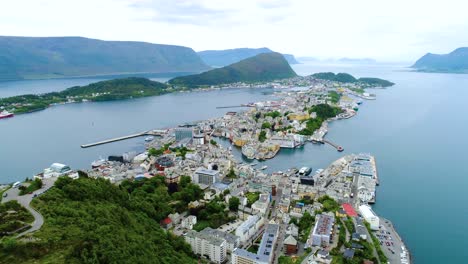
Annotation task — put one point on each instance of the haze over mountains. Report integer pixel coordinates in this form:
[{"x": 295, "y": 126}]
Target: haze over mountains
[
  {"x": 55, "y": 57},
  {"x": 219, "y": 58},
  {"x": 455, "y": 61}
]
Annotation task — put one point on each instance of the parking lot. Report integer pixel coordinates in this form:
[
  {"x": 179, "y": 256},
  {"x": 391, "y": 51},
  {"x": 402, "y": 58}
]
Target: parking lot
[{"x": 390, "y": 242}]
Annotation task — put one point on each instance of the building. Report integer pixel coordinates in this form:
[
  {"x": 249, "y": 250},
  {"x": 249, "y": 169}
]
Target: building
[
  {"x": 369, "y": 216},
  {"x": 163, "y": 162},
  {"x": 189, "y": 222},
  {"x": 55, "y": 170},
  {"x": 322, "y": 230},
  {"x": 183, "y": 132},
  {"x": 265, "y": 250},
  {"x": 166, "y": 223},
  {"x": 261, "y": 205},
  {"x": 249, "y": 227},
  {"x": 307, "y": 180},
  {"x": 349, "y": 209},
  {"x": 290, "y": 245},
  {"x": 205, "y": 176},
  {"x": 232, "y": 241},
  {"x": 204, "y": 244}
]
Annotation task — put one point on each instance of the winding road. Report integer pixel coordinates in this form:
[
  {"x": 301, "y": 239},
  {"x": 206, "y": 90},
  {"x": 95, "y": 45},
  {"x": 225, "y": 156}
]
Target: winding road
[{"x": 25, "y": 201}]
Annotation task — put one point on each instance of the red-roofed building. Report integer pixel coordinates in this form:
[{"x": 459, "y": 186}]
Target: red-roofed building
[
  {"x": 166, "y": 223},
  {"x": 349, "y": 209}
]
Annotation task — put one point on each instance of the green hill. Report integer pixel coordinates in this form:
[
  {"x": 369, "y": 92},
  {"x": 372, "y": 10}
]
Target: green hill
[
  {"x": 456, "y": 61},
  {"x": 116, "y": 89},
  {"x": 348, "y": 78},
  {"x": 219, "y": 58},
  {"x": 94, "y": 221},
  {"x": 262, "y": 67},
  {"x": 55, "y": 57}
]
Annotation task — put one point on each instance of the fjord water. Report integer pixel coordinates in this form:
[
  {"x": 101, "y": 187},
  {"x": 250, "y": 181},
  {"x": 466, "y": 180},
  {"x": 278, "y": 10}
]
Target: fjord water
[{"x": 416, "y": 130}]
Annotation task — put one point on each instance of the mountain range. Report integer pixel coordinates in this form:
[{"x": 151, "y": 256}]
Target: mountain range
[
  {"x": 455, "y": 61},
  {"x": 56, "y": 57},
  {"x": 261, "y": 67},
  {"x": 220, "y": 58}
]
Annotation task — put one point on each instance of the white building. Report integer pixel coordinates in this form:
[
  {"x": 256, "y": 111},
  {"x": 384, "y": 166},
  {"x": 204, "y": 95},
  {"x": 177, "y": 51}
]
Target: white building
[
  {"x": 322, "y": 230},
  {"x": 205, "y": 176},
  {"x": 261, "y": 205},
  {"x": 232, "y": 241},
  {"x": 203, "y": 244},
  {"x": 249, "y": 227},
  {"x": 265, "y": 250},
  {"x": 55, "y": 170},
  {"x": 369, "y": 216},
  {"x": 189, "y": 222}
]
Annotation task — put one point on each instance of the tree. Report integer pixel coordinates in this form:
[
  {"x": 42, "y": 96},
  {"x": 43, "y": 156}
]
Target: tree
[
  {"x": 234, "y": 203},
  {"x": 213, "y": 142},
  {"x": 262, "y": 136},
  {"x": 266, "y": 125}
]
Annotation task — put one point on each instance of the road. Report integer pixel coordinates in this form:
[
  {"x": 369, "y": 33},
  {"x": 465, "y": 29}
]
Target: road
[{"x": 25, "y": 201}]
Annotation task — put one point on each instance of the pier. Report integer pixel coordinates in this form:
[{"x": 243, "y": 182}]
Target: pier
[
  {"x": 232, "y": 106},
  {"x": 145, "y": 133},
  {"x": 339, "y": 148}
]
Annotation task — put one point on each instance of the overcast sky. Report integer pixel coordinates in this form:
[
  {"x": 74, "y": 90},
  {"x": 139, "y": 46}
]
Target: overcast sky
[{"x": 396, "y": 30}]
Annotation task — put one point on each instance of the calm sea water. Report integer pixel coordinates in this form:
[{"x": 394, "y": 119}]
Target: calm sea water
[{"x": 416, "y": 129}]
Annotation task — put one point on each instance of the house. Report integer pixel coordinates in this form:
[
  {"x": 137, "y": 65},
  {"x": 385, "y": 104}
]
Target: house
[
  {"x": 290, "y": 245},
  {"x": 189, "y": 222},
  {"x": 175, "y": 218},
  {"x": 292, "y": 230},
  {"x": 166, "y": 223}
]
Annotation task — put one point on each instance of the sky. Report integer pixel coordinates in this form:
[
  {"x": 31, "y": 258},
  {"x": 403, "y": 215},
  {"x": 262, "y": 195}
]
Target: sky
[{"x": 397, "y": 30}]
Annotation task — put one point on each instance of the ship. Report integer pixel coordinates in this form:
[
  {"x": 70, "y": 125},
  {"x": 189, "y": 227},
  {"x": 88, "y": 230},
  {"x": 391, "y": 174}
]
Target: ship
[
  {"x": 305, "y": 171},
  {"x": 148, "y": 139},
  {"x": 6, "y": 114}
]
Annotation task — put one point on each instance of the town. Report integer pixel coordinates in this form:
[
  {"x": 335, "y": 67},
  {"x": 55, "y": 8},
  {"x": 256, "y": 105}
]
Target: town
[{"x": 298, "y": 215}]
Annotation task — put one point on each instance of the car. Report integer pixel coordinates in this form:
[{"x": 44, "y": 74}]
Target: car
[
  {"x": 5, "y": 194},
  {"x": 35, "y": 195}
]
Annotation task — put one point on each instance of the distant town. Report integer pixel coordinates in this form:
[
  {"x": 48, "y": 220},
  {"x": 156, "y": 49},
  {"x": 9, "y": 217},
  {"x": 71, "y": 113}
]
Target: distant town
[{"x": 298, "y": 215}]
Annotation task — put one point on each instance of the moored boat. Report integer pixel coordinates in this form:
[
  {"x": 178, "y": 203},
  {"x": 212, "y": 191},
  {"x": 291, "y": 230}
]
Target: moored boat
[{"x": 6, "y": 114}]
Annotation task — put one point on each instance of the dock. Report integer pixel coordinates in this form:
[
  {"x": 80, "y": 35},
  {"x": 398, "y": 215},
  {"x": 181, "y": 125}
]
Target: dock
[
  {"x": 339, "y": 148},
  {"x": 144, "y": 133}
]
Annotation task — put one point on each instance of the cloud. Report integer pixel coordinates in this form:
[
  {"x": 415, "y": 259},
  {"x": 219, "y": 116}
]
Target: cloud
[{"x": 385, "y": 30}]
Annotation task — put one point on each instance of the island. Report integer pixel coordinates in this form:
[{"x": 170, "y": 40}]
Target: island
[
  {"x": 260, "y": 68},
  {"x": 61, "y": 57},
  {"x": 348, "y": 78},
  {"x": 220, "y": 58},
  {"x": 454, "y": 62}
]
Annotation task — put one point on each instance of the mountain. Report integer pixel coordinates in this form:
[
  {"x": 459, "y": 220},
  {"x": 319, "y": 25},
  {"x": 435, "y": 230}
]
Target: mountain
[
  {"x": 219, "y": 58},
  {"x": 52, "y": 57},
  {"x": 348, "y": 78},
  {"x": 262, "y": 67},
  {"x": 455, "y": 61}
]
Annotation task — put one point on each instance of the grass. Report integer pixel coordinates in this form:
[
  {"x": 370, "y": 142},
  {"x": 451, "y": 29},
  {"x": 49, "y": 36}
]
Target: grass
[
  {"x": 252, "y": 197},
  {"x": 13, "y": 216},
  {"x": 380, "y": 253}
]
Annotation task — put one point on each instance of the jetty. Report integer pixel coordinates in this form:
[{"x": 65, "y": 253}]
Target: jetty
[
  {"x": 144, "y": 133},
  {"x": 232, "y": 106},
  {"x": 339, "y": 148}
]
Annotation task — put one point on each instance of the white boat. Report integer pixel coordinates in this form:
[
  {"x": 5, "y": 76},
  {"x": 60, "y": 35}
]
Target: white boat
[
  {"x": 264, "y": 167},
  {"x": 305, "y": 171},
  {"x": 148, "y": 139},
  {"x": 254, "y": 164}
]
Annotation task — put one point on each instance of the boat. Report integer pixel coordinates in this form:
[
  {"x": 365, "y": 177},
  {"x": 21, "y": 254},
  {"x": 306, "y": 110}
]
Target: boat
[
  {"x": 264, "y": 167},
  {"x": 340, "y": 149},
  {"x": 6, "y": 114},
  {"x": 98, "y": 163},
  {"x": 148, "y": 139},
  {"x": 254, "y": 164},
  {"x": 318, "y": 171},
  {"x": 305, "y": 171}
]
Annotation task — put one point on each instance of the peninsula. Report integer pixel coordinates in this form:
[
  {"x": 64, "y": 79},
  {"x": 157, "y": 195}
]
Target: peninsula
[
  {"x": 117, "y": 89},
  {"x": 187, "y": 189},
  {"x": 453, "y": 62}
]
